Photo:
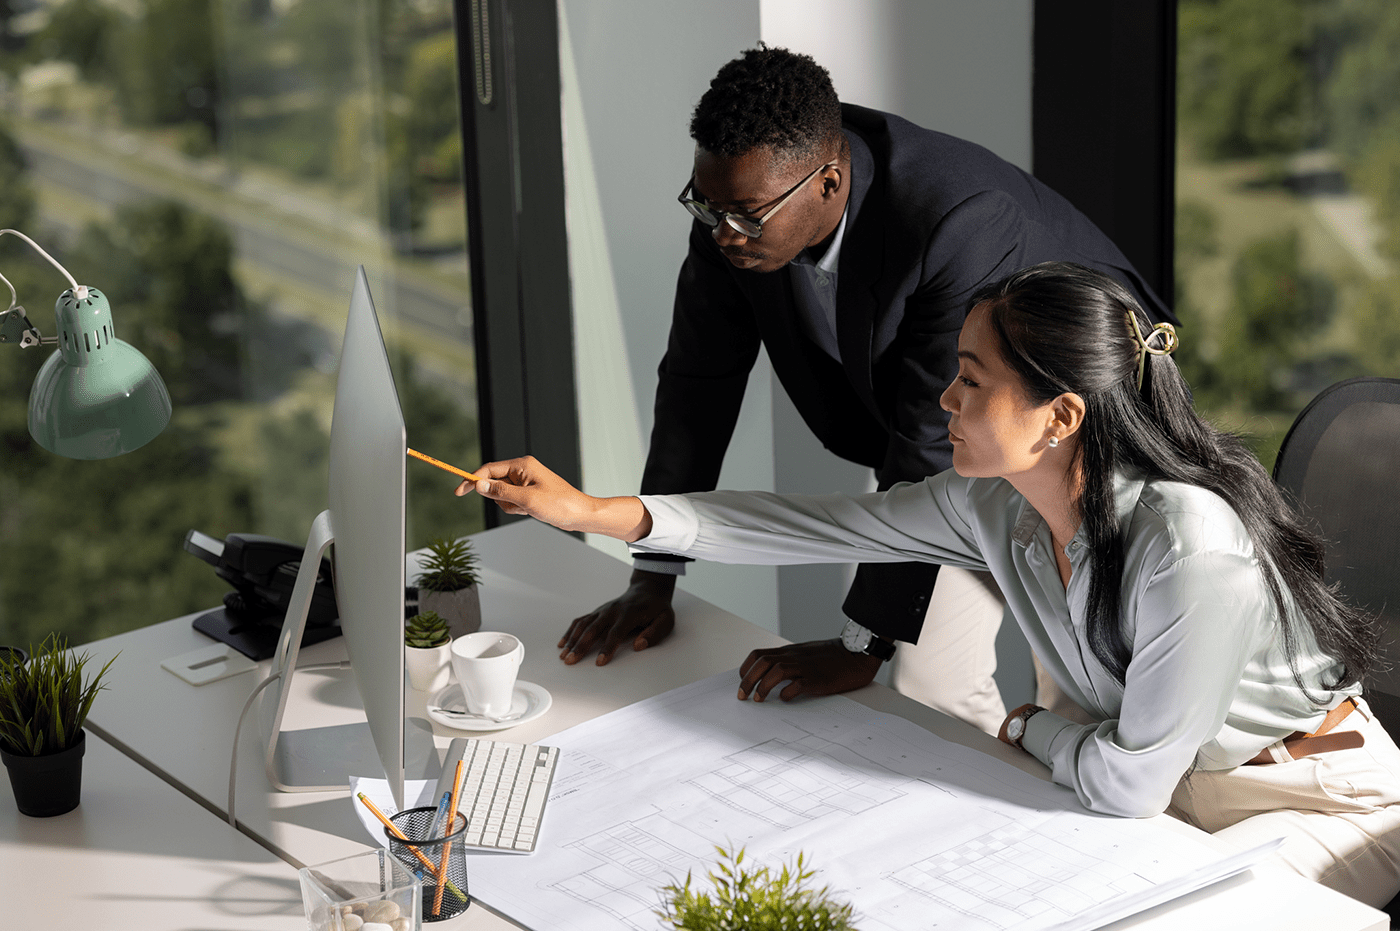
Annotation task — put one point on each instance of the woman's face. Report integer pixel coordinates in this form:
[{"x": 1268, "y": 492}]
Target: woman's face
[{"x": 997, "y": 431}]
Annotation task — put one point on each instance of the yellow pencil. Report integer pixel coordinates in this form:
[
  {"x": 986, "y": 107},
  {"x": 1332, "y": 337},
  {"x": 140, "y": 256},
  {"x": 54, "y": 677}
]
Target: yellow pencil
[
  {"x": 444, "y": 466},
  {"x": 393, "y": 829},
  {"x": 447, "y": 847}
]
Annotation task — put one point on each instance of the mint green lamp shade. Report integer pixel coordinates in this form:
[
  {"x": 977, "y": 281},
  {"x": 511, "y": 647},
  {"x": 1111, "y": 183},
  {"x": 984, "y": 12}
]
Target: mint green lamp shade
[{"x": 97, "y": 396}]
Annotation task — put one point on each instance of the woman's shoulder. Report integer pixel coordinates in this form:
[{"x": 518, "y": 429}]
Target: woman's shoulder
[{"x": 1188, "y": 520}]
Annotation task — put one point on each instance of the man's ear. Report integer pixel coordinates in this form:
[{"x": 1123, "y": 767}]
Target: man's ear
[
  {"x": 1067, "y": 413},
  {"x": 832, "y": 180}
]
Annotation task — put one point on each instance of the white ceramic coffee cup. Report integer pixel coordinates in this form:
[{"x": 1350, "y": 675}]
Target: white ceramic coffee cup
[{"x": 485, "y": 664}]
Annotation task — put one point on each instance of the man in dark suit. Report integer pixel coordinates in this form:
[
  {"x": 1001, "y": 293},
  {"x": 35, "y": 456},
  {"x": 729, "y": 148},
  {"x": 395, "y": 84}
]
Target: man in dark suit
[{"x": 845, "y": 241}]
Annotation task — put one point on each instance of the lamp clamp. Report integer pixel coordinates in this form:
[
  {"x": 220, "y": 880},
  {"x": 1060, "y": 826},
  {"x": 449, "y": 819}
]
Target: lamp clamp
[{"x": 15, "y": 327}]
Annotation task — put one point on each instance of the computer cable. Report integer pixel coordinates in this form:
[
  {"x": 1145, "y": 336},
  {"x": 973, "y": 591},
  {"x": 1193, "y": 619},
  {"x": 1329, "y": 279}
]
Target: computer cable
[{"x": 238, "y": 730}]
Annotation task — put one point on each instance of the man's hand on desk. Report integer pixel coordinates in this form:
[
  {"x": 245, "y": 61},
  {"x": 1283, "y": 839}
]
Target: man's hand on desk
[
  {"x": 642, "y": 612},
  {"x": 821, "y": 667}
]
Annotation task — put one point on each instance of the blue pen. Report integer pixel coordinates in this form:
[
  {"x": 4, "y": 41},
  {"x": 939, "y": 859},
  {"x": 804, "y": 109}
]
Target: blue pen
[{"x": 440, "y": 818}]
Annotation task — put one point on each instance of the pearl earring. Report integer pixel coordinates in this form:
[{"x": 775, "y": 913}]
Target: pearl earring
[{"x": 1054, "y": 441}]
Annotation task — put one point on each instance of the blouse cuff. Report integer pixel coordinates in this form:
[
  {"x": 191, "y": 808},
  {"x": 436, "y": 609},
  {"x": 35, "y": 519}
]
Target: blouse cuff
[
  {"x": 674, "y": 525},
  {"x": 1043, "y": 732}
]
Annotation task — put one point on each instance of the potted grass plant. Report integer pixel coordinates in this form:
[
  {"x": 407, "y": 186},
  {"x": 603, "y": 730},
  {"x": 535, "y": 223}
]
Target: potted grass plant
[
  {"x": 448, "y": 585},
  {"x": 43, "y": 705},
  {"x": 755, "y": 899},
  {"x": 427, "y": 651}
]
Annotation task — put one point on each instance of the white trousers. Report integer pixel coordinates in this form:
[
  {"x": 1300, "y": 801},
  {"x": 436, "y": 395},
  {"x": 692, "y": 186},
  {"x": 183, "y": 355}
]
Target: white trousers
[
  {"x": 1338, "y": 812},
  {"x": 951, "y": 667}
]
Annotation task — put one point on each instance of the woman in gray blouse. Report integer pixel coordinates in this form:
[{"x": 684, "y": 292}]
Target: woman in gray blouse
[{"x": 1150, "y": 560}]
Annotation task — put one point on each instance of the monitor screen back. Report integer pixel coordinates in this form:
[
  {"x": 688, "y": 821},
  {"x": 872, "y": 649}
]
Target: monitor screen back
[{"x": 367, "y": 504}]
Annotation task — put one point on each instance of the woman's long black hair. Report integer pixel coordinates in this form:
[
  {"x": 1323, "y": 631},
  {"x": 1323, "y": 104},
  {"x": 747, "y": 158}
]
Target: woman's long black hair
[{"x": 1064, "y": 328}]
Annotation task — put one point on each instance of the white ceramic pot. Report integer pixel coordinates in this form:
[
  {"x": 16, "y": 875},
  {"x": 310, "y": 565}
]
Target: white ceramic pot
[
  {"x": 461, "y": 609},
  {"x": 429, "y": 669}
]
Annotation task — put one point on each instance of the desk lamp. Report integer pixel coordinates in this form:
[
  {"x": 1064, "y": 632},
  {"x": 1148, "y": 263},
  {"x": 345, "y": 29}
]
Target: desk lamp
[{"x": 97, "y": 396}]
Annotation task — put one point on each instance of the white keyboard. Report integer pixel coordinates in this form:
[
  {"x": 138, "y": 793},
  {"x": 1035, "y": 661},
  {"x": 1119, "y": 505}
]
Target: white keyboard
[{"x": 504, "y": 788}]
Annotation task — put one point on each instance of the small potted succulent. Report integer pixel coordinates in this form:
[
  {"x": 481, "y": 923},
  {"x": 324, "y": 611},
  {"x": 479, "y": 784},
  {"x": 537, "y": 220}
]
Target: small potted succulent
[
  {"x": 448, "y": 585},
  {"x": 755, "y": 899},
  {"x": 43, "y": 704},
  {"x": 427, "y": 651}
]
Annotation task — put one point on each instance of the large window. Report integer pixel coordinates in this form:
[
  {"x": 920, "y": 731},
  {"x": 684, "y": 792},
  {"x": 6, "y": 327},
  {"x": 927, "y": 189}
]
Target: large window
[
  {"x": 219, "y": 168},
  {"x": 1288, "y": 203}
]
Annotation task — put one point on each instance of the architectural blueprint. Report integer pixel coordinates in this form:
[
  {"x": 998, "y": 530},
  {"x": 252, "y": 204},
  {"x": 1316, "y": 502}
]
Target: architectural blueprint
[{"x": 915, "y": 831}]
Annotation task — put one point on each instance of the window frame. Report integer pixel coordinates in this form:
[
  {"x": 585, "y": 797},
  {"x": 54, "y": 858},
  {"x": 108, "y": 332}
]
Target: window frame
[{"x": 508, "y": 72}]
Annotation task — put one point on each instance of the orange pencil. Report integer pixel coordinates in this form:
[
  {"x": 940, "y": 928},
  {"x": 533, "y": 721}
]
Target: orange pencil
[
  {"x": 393, "y": 829},
  {"x": 444, "y": 466},
  {"x": 447, "y": 847}
]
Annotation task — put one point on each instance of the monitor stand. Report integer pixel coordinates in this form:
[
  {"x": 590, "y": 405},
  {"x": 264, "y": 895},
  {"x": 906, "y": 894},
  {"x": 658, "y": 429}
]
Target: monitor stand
[{"x": 322, "y": 759}]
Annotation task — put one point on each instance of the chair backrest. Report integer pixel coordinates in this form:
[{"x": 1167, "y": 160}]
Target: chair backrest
[{"x": 1340, "y": 463}]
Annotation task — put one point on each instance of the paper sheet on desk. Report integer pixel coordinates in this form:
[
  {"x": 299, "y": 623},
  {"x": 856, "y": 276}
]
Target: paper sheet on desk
[
  {"x": 915, "y": 831},
  {"x": 417, "y": 793}
]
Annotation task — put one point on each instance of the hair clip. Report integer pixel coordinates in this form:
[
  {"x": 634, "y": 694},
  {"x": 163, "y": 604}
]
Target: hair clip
[{"x": 1171, "y": 342}]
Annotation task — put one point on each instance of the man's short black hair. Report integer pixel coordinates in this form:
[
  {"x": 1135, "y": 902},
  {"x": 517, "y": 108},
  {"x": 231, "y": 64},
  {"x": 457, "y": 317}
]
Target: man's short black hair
[{"x": 769, "y": 97}]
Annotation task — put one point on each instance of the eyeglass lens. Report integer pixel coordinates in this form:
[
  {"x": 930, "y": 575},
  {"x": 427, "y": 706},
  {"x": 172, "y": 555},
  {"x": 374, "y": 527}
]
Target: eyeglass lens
[{"x": 750, "y": 228}]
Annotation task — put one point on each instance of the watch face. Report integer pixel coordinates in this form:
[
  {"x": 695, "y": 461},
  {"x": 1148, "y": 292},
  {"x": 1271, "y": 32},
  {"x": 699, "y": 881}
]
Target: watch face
[
  {"x": 854, "y": 637},
  {"x": 1015, "y": 728}
]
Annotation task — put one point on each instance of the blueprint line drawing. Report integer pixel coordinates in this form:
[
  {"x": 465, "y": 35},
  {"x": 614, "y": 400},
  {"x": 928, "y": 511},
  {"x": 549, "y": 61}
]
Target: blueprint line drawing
[
  {"x": 1013, "y": 875},
  {"x": 915, "y": 831},
  {"x": 784, "y": 783},
  {"x": 787, "y": 783},
  {"x": 632, "y": 857}
]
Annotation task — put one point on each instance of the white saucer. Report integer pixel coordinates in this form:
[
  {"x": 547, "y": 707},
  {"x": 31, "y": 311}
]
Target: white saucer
[{"x": 529, "y": 701}]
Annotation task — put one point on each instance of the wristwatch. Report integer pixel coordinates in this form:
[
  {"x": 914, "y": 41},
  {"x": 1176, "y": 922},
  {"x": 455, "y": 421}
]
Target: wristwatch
[
  {"x": 860, "y": 639},
  {"x": 1016, "y": 727}
]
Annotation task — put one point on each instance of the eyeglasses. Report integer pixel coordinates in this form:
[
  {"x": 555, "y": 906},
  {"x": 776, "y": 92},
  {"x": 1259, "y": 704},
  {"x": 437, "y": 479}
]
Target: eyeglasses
[{"x": 750, "y": 227}]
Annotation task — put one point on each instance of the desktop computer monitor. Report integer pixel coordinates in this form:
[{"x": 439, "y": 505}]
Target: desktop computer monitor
[{"x": 365, "y": 524}]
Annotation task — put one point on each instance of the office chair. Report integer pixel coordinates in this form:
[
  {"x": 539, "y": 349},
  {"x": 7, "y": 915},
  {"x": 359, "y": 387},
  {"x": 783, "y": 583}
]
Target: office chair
[{"x": 1338, "y": 464}]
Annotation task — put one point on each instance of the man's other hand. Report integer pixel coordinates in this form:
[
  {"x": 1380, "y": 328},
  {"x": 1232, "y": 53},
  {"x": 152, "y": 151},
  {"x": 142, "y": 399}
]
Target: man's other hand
[
  {"x": 643, "y": 613},
  {"x": 820, "y": 667}
]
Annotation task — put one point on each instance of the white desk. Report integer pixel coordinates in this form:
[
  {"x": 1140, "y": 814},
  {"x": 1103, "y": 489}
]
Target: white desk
[
  {"x": 537, "y": 579},
  {"x": 137, "y": 853}
]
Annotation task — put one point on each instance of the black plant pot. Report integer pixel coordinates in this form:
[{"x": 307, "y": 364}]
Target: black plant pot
[{"x": 47, "y": 785}]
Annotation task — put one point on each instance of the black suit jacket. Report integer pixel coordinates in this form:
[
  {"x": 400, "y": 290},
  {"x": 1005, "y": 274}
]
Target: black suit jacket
[{"x": 930, "y": 218}]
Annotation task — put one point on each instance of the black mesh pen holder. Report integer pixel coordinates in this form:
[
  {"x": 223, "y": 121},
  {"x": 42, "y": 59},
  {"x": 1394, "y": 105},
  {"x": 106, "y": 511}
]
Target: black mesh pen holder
[{"x": 423, "y": 854}]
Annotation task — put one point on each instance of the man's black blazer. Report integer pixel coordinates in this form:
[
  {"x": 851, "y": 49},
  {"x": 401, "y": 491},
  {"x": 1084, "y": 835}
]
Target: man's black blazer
[{"x": 930, "y": 218}]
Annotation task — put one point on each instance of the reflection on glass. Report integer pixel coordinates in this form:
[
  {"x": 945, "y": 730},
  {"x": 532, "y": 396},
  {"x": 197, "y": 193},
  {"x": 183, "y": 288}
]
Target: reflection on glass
[
  {"x": 220, "y": 169},
  {"x": 1288, "y": 203}
]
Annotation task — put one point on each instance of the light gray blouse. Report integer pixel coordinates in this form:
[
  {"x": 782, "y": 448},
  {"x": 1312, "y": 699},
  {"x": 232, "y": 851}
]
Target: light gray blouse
[{"x": 1208, "y": 684}]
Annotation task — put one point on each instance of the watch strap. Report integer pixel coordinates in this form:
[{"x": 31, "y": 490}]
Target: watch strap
[{"x": 880, "y": 648}]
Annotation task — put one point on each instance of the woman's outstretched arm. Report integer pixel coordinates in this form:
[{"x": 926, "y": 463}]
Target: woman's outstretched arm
[{"x": 525, "y": 486}]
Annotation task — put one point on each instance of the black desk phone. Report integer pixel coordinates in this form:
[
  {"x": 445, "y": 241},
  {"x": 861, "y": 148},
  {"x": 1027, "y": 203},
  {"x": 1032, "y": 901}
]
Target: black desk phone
[{"x": 262, "y": 571}]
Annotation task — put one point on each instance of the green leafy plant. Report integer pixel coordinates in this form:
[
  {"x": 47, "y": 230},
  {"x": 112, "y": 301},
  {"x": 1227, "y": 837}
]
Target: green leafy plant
[
  {"x": 44, "y": 702},
  {"x": 754, "y": 899},
  {"x": 427, "y": 630},
  {"x": 450, "y": 565}
]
